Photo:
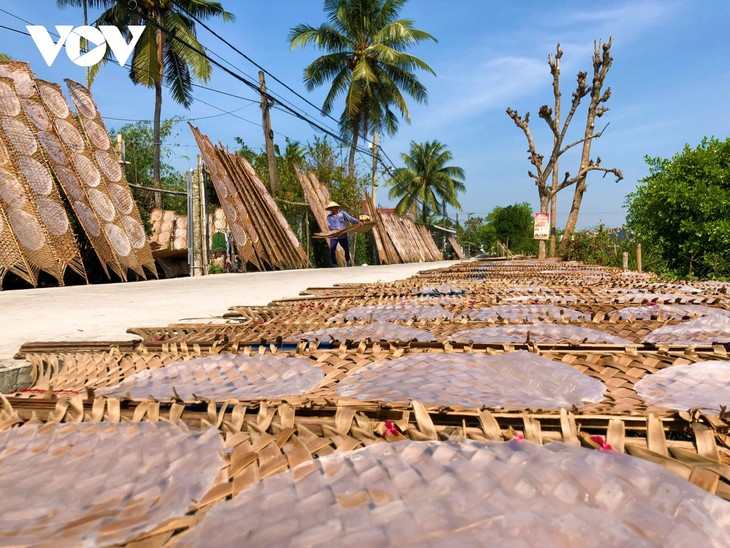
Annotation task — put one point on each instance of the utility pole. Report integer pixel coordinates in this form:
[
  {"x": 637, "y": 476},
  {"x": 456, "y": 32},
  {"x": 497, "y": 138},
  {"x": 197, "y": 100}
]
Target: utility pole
[
  {"x": 268, "y": 137},
  {"x": 375, "y": 168},
  {"x": 195, "y": 228}
]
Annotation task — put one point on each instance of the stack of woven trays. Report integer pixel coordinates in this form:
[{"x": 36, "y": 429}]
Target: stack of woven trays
[{"x": 368, "y": 405}]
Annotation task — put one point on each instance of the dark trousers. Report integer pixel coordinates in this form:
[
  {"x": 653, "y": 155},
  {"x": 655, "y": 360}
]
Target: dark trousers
[{"x": 333, "y": 247}]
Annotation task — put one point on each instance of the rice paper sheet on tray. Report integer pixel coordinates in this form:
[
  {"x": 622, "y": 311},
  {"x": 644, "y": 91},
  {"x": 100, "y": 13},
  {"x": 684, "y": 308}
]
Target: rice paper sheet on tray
[
  {"x": 89, "y": 484},
  {"x": 466, "y": 494},
  {"x": 512, "y": 380},
  {"x": 704, "y": 386},
  {"x": 538, "y": 332},
  {"x": 222, "y": 377},
  {"x": 376, "y": 331},
  {"x": 391, "y": 312},
  {"x": 702, "y": 330},
  {"x": 524, "y": 312}
]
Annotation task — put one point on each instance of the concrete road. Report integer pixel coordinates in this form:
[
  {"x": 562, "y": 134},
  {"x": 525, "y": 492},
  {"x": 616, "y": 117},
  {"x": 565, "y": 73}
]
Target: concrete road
[{"x": 104, "y": 312}]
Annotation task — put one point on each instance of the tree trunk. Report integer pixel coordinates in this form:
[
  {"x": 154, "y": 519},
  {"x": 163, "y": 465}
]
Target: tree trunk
[
  {"x": 580, "y": 188},
  {"x": 353, "y": 150},
  {"x": 158, "y": 113},
  {"x": 554, "y": 212},
  {"x": 601, "y": 65},
  {"x": 557, "y": 143},
  {"x": 544, "y": 203}
]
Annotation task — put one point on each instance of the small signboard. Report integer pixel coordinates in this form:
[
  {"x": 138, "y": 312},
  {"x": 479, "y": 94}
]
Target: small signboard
[{"x": 542, "y": 226}]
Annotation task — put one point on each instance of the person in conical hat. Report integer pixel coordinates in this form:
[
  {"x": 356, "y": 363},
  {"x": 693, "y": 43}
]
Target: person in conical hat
[{"x": 337, "y": 219}]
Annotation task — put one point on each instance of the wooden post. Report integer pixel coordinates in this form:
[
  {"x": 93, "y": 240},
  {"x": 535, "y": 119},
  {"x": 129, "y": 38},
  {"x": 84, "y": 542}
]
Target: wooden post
[
  {"x": 195, "y": 238},
  {"x": 638, "y": 258},
  {"x": 375, "y": 168},
  {"x": 204, "y": 228},
  {"x": 626, "y": 260},
  {"x": 268, "y": 137}
]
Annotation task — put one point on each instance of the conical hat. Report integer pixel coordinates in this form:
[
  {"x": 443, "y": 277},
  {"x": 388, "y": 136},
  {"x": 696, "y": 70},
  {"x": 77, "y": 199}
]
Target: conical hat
[{"x": 331, "y": 205}]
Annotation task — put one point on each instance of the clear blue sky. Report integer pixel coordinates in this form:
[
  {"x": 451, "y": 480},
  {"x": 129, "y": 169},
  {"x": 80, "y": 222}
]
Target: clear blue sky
[{"x": 670, "y": 82}]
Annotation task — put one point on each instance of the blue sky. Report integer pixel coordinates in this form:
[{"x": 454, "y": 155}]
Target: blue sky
[{"x": 670, "y": 80}]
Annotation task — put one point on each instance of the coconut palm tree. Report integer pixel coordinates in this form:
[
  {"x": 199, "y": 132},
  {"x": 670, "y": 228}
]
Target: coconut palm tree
[
  {"x": 426, "y": 181},
  {"x": 167, "y": 52},
  {"x": 366, "y": 62}
]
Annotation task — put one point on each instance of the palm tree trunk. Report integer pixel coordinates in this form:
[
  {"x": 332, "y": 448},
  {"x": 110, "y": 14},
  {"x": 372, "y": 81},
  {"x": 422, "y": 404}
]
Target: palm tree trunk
[
  {"x": 158, "y": 114},
  {"x": 353, "y": 149}
]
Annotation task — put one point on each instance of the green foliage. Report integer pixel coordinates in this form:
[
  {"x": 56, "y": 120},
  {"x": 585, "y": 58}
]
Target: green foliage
[
  {"x": 513, "y": 227},
  {"x": 476, "y": 233},
  {"x": 366, "y": 63},
  {"x": 138, "y": 139},
  {"x": 426, "y": 181},
  {"x": 601, "y": 246},
  {"x": 682, "y": 210},
  {"x": 181, "y": 61},
  {"x": 510, "y": 226}
]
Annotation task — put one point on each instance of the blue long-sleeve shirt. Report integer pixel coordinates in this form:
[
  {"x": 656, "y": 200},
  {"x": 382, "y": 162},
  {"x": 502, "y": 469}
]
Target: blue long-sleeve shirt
[{"x": 337, "y": 222}]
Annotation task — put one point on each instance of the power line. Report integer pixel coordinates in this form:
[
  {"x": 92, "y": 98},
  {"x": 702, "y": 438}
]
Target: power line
[
  {"x": 283, "y": 107},
  {"x": 254, "y": 63},
  {"x": 243, "y": 80}
]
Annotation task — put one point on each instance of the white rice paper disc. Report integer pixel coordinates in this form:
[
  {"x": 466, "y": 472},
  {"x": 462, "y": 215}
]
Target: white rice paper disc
[
  {"x": 239, "y": 234},
  {"x": 24, "y": 84},
  {"x": 704, "y": 386},
  {"x": 118, "y": 239},
  {"x": 524, "y": 312},
  {"x": 220, "y": 188},
  {"x": 391, "y": 312},
  {"x": 671, "y": 311},
  {"x": 36, "y": 114},
  {"x": 101, "y": 204},
  {"x": 88, "y": 218},
  {"x": 11, "y": 189},
  {"x": 53, "y": 148},
  {"x": 135, "y": 231},
  {"x": 103, "y": 484},
  {"x": 375, "y": 331},
  {"x": 53, "y": 216},
  {"x": 515, "y": 380},
  {"x": 97, "y": 135},
  {"x": 84, "y": 103},
  {"x": 37, "y": 175},
  {"x": 20, "y": 136},
  {"x": 54, "y": 100},
  {"x": 70, "y": 182},
  {"x": 451, "y": 494},
  {"x": 230, "y": 187},
  {"x": 109, "y": 165},
  {"x": 231, "y": 214},
  {"x": 222, "y": 377},
  {"x": 539, "y": 332},
  {"x": 121, "y": 198},
  {"x": 9, "y": 103},
  {"x": 703, "y": 330},
  {"x": 70, "y": 135},
  {"x": 87, "y": 170},
  {"x": 26, "y": 229}
]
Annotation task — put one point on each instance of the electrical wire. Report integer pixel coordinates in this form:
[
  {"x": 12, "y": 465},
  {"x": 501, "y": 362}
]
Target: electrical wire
[
  {"x": 279, "y": 104},
  {"x": 245, "y": 81},
  {"x": 254, "y": 63}
]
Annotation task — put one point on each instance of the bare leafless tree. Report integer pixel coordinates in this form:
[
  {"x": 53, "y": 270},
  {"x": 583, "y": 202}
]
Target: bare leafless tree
[{"x": 543, "y": 171}]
